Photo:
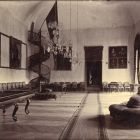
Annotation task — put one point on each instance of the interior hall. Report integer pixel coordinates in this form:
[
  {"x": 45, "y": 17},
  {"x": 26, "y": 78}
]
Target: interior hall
[{"x": 70, "y": 70}]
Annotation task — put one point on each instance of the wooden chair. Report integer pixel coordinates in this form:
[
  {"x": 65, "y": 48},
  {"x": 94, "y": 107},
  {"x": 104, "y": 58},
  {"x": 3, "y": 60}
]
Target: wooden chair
[
  {"x": 127, "y": 86},
  {"x": 120, "y": 86},
  {"x": 113, "y": 86},
  {"x": 68, "y": 84},
  {"x": 81, "y": 86},
  {"x": 74, "y": 86},
  {"x": 105, "y": 86}
]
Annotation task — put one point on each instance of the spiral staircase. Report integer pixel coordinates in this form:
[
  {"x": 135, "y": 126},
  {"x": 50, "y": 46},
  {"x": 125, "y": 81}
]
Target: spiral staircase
[{"x": 35, "y": 61}]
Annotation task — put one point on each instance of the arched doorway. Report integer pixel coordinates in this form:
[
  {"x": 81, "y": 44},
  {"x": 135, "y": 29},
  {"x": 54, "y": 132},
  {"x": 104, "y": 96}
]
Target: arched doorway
[{"x": 137, "y": 59}]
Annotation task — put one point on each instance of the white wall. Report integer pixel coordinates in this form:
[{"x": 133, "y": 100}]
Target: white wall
[
  {"x": 120, "y": 36},
  {"x": 107, "y": 36},
  {"x": 137, "y": 27},
  {"x": 12, "y": 27}
]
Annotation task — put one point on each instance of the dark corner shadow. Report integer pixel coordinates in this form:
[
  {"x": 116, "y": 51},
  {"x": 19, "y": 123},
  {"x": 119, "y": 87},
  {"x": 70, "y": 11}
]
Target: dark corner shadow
[{"x": 124, "y": 125}]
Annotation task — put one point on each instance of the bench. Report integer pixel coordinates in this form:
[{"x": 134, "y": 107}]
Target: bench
[
  {"x": 128, "y": 111},
  {"x": 14, "y": 93}
]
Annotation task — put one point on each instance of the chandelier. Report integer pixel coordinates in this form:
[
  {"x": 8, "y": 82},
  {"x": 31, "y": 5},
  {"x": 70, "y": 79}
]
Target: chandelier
[{"x": 54, "y": 42}]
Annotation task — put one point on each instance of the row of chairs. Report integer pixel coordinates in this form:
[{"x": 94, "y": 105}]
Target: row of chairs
[
  {"x": 68, "y": 86},
  {"x": 117, "y": 86},
  {"x": 11, "y": 86}
]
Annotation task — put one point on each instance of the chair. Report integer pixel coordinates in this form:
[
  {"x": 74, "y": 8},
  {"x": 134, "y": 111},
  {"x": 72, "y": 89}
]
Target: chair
[
  {"x": 4, "y": 85},
  {"x": 64, "y": 87},
  {"x": 61, "y": 85},
  {"x": 1, "y": 88},
  {"x": 13, "y": 85},
  {"x": 56, "y": 86},
  {"x": 113, "y": 86},
  {"x": 74, "y": 86},
  {"x": 81, "y": 86},
  {"x": 127, "y": 86},
  {"x": 105, "y": 86},
  {"x": 68, "y": 85},
  {"x": 9, "y": 86},
  {"x": 51, "y": 85},
  {"x": 120, "y": 86},
  {"x": 17, "y": 85}
]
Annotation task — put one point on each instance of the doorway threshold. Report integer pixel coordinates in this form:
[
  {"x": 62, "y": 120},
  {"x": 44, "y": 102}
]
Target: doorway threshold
[{"x": 93, "y": 88}]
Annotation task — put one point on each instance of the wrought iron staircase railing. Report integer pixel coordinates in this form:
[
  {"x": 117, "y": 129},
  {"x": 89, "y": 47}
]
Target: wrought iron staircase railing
[{"x": 35, "y": 61}]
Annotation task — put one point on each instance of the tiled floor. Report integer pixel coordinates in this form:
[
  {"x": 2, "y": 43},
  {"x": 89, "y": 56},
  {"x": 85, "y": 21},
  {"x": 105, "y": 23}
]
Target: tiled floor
[
  {"x": 118, "y": 131},
  {"x": 89, "y": 125},
  {"x": 48, "y": 119}
]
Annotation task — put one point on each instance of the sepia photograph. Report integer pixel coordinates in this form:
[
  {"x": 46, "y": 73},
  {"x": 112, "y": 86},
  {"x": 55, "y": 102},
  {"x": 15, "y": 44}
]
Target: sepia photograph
[{"x": 69, "y": 69}]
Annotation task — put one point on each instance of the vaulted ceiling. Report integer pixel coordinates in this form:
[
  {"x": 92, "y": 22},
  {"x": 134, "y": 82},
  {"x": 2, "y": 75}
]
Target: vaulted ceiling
[{"x": 77, "y": 14}]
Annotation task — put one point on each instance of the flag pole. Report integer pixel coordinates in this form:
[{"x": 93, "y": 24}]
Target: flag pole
[{"x": 42, "y": 25}]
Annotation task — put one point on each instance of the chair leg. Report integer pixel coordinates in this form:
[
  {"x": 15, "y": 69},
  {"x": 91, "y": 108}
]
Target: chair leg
[
  {"x": 14, "y": 112},
  {"x": 4, "y": 110},
  {"x": 26, "y": 106}
]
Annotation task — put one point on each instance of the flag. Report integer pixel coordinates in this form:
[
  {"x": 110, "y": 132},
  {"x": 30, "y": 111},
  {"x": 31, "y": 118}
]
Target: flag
[{"x": 52, "y": 20}]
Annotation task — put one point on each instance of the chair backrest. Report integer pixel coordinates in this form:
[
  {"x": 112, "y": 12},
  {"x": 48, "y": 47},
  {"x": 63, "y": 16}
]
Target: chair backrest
[
  {"x": 104, "y": 84},
  {"x": 113, "y": 84},
  {"x": 23, "y": 84},
  {"x": 120, "y": 83},
  {"x": 4, "y": 85},
  {"x": 74, "y": 83},
  {"x": 82, "y": 85},
  {"x": 1, "y": 87},
  {"x": 126, "y": 84},
  {"x": 9, "y": 86}
]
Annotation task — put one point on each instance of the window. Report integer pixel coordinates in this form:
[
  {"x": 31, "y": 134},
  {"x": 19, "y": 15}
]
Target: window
[{"x": 118, "y": 57}]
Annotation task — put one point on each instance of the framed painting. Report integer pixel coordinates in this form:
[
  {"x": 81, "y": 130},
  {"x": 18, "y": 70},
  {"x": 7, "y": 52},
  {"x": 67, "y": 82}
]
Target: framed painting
[
  {"x": 15, "y": 53},
  {"x": 118, "y": 57},
  {"x": 63, "y": 58}
]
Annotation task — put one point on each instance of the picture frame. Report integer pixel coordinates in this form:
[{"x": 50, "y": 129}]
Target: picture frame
[
  {"x": 15, "y": 53},
  {"x": 117, "y": 57}
]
